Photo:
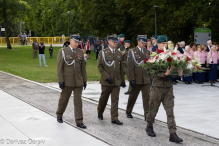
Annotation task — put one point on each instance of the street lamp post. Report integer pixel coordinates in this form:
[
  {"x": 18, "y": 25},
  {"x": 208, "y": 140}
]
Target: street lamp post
[
  {"x": 68, "y": 23},
  {"x": 155, "y": 9}
]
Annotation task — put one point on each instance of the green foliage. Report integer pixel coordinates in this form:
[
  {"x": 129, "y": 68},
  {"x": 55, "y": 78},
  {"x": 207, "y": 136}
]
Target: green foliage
[{"x": 176, "y": 19}]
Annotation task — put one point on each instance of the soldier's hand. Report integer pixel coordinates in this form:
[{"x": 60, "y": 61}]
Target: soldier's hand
[
  {"x": 169, "y": 69},
  {"x": 180, "y": 71},
  {"x": 123, "y": 85},
  {"x": 85, "y": 85},
  {"x": 109, "y": 80},
  {"x": 61, "y": 85},
  {"x": 132, "y": 83}
]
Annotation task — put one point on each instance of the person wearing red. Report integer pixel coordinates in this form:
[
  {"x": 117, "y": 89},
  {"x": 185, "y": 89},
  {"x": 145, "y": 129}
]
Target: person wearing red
[
  {"x": 120, "y": 45},
  {"x": 88, "y": 48}
]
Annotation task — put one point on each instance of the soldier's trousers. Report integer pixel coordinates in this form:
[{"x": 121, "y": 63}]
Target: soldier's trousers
[
  {"x": 127, "y": 74},
  {"x": 145, "y": 89},
  {"x": 35, "y": 53},
  {"x": 106, "y": 91},
  {"x": 63, "y": 102},
  {"x": 164, "y": 95}
]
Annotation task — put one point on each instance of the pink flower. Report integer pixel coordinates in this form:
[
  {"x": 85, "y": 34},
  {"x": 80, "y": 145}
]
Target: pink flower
[{"x": 173, "y": 53}]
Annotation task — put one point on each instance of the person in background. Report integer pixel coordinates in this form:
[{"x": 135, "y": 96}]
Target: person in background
[
  {"x": 88, "y": 48},
  {"x": 200, "y": 56},
  {"x": 25, "y": 39},
  {"x": 98, "y": 49},
  {"x": 21, "y": 38},
  {"x": 212, "y": 63},
  {"x": 97, "y": 43},
  {"x": 209, "y": 42},
  {"x": 149, "y": 45},
  {"x": 204, "y": 50},
  {"x": 102, "y": 46},
  {"x": 41, "y": 54},
  {"x": 154, "y": 43},
  {"x": 192, "y": 46},
  {"x": 81, "y": 46},
  {"x": 120, "y": 45},
  {"x": 67, "y": 43},
  {"x": 51, "y": 51},
  {"x": 85, "y": 56},
  {"x": 187, "y": 79},
  {"x": 35, "y": 47},
  {"x": 182, "y": 47},
  {"x": 63, "y": 37}
]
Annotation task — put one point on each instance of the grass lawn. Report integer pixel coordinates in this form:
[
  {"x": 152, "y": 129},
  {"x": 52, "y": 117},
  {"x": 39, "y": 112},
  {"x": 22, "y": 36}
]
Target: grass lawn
[{"x": 19, "y": 61}]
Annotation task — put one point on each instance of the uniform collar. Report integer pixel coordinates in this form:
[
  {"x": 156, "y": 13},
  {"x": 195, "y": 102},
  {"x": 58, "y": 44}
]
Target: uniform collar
[
  {"x": 112, "y": 50},
  {"x": 139, "y": 48}
]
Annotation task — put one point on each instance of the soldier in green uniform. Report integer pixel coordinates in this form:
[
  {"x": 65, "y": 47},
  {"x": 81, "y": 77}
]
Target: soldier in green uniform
[
  {"x": 139, "y": 78},
  {"x": 120, "y": 44},
  {"x": 112, "y": 77},
  {"x": 72, "y": 76},
  {"x": 162, "y": 91},
  {"x": 124, "y": 58}
]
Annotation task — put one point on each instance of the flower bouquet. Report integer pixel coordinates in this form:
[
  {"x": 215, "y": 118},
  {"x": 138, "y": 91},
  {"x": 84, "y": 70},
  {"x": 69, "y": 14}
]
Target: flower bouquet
[{"x": 159, "y": 62}]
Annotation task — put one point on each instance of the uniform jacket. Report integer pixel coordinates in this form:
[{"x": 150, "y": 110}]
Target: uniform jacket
[
  {"x": 120, "y": 46},
  {"x": 117, "y": 73},
  {"x": 139, "y": 74},
  {"x": 124, "y": 57},
  {"x": 181, "y": 50},
  {"x": 154, "y": 49},
  {"x": 73, "y": 75}
]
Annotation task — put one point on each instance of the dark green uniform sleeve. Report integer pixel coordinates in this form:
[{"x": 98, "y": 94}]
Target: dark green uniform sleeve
[{"x": 103, "y": 73}]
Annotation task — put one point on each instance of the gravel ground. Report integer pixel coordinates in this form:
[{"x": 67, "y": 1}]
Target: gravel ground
[{"x": 131, "y": 133}]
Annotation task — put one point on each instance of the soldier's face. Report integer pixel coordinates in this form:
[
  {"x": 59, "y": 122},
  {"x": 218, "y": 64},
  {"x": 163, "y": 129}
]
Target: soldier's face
[
  {"x": 74, "y": 44},
  {"x": 154, "y": 41},
  {"x": 127, "y": 45},
  {"x": 122, "y": 39},
  {"x": 162, "y": 45},
  {"x": 112, "y": 44},
  {"x": 140, "y": 44}
]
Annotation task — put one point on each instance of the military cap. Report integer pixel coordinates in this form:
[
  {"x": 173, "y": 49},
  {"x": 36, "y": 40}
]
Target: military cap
[
  {"x": 122, "y": 35},
  {"x": 142, "y": 38},
  {"x": 113, "y": 38},
  {"x": 153, "y": 37},
  {"x": 127, "y": 41},
  {"x": 162, "y": 38},
  {"x": 76, "y": 37}
]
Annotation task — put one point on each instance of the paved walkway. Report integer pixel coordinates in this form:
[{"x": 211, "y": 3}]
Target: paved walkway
[
  {"x": 132, "y": 132},
  {"x": 23, "y": 123},
  {"x": 196, "y": 107}
]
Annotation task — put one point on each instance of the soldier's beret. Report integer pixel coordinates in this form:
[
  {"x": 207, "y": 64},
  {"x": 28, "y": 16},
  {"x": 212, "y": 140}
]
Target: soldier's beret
[
  {"x": 127, "y": 41},
  {"x": 162, "y": 38},
  {"x": 142, "y": 38},
  {"x": 76, "y": 37},
  {"x": 113, "y": 38},
  {"x": 122, "y": 35}
]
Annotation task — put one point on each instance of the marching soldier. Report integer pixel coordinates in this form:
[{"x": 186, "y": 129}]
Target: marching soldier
[
  {"x": 72, "y": 76},
  {"x": 112, "y": 77},
  {"x": 139, "y": 78},
  {"x": 124, "y": 58},
  {"x": 162, "y": 91},
  {"x": 120, "y": 45}
]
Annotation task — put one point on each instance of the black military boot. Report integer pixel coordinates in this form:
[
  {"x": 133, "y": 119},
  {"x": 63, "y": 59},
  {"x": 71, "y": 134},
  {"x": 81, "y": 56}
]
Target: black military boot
[
  {"x": 174, "y": 138},
  {"x": 150, "y": 131},
  {"x": 129, "y": 115},
  {"x": 127, "y": 93},
  {"x": 59, "y": 119}
]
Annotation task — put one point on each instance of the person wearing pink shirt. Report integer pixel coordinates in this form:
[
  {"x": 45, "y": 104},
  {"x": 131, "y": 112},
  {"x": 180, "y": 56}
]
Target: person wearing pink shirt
[
  {"x": 149, "y": 45},
  {"x": 192, "y": 46},
  {"x": 200, "y": 56},
  {"x": 204, "y": 50},
  {"x": 212, "y": 63},
  {"x": 188, "y": 79}
]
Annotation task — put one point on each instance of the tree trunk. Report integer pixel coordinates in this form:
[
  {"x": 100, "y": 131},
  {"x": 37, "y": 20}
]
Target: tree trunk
[{"x": 6, "y": 25}]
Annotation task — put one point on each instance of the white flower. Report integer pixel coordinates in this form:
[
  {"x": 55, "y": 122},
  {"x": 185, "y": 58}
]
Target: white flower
[{"x": 189, "y": 66}]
